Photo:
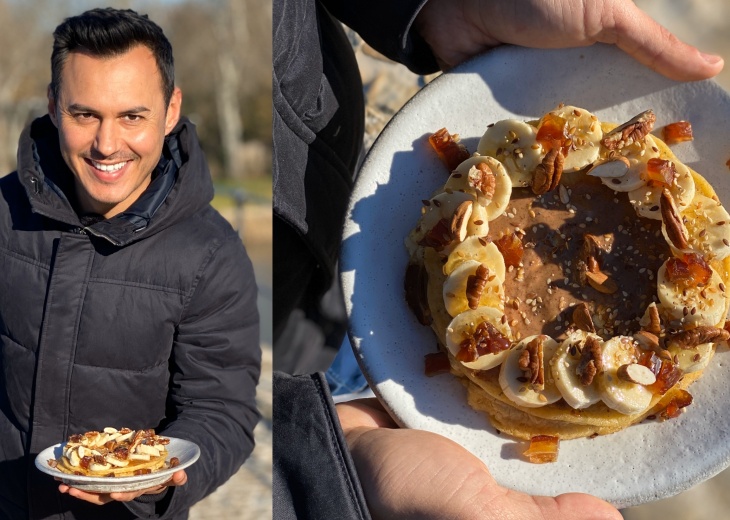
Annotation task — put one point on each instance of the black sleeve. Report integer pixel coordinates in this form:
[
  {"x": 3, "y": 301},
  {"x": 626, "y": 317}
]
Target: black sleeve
[
  {"x": 314, "y": 476},
  {"x": 386, "y": 25}
]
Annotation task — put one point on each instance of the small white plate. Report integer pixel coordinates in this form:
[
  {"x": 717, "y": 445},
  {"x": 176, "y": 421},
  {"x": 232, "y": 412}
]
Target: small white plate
[
  {"x": 187, "y": 453},
  {"x": 643, "y": 463}
]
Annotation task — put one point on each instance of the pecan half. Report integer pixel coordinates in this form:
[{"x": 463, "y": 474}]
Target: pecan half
[
  {"x": 655, "y": 322},
  {"x": 630, "y": 132},
  {"x": 582, "y": 318},
  {"x": 676, "y": 231},
  {"x": 591, "y": 362},
  {"x": 531, "y": 363},
  {"x": 482, "y": 178},
  {"x": 416, "y": 285},
  {"x": 460, "y": 220},
  {"x": 546, "y": 176},
  {"x": 475, "y": 286},
  {"x": 687, "y": 339}
]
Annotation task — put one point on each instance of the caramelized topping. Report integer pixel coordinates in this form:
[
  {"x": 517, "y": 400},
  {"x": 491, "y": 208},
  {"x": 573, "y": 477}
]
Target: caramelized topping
[
  {"x": 543, "y": 449},
  {"x": 677, "y": 132},
  {"x": 660, "y": 172},
  {"x": 553, "y": 131},
  {"x": 690, "y": 270},
  {"x": 674, "y": 408},
  {"x": 436, "y": 363},
  {"x": 511, "y": 247},
  {"x": 451, "y": 152},
  {"x": 486, "y": 340}
]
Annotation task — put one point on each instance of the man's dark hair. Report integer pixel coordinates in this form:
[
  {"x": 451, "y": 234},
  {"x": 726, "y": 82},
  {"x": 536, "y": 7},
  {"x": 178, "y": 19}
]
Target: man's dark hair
[{"x": 111, "y": 32}]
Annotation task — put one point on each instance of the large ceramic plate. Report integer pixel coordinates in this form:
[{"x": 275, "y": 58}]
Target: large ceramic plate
[
  {"x": 187, "y": 453},
  {"x": 643, "y": 463}
]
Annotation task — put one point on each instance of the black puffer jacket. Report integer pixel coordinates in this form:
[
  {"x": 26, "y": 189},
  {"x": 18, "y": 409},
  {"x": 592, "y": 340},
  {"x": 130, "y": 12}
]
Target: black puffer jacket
[{"x": 147, "y": 319}]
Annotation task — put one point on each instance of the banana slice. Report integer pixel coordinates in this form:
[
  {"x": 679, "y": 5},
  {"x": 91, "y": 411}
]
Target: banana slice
[
  {"x": 708, "y": 227},
  {"x": 563, "y": 367},
  {"x": 455, "y": 299},
  {"x": 623, "y": 396},
  {"x": 692, "y": 359},
  {"x": 442, "y": 206},
  {"x": 646, "y": 199},
  {"x": 476, "y": 248},
  {"x": 513, "y": 143},
  {"x": 586, "y": 133},
  {"x": 466, "y": 178},
  {"x": 688, "y": 305},
  {"x": 464, "y": 325},
  {"x": 512, "y": 377},
  {"x": 637, "y": 155}
]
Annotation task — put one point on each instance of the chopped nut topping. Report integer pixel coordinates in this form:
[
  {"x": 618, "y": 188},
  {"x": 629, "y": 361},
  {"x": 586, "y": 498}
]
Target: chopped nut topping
[
  {"x": 439, "y": 236},
  {"x": 475, "y": 285},
  {"x": 591, "y": 362},
  {"x": 687, "y": 339},
  {"x": 482, "y": 178},
  {"x": 630, "y": 132},
  {"x": 531, "y": 363},
  {"x": 582, "y": 318},
  {"x": 636, "y": 373},
  {"x": 676, "y": 230},
  {"x": 601, "y": 282},
  {"x": 546, "y": 176}
]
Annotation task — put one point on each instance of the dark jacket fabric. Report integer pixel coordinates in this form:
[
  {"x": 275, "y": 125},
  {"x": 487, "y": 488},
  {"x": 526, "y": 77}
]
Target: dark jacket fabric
[
  {"x": 314, "y": 476},
  {"x": 318, "y": 127},
  {"x": 144, "y": 320},
  {"x": 318, "y": 131}
]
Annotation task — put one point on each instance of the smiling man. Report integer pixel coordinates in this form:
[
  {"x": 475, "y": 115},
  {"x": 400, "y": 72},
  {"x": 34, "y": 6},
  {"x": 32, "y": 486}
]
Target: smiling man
[{"x": 125, "y": 300}]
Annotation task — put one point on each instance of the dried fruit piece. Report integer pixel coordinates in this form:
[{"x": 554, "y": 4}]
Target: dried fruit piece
[
  {"x": 485, "y": 340},
  {"x": 674, "y": 408},
  {"x": 511, "y": 247},
  {"x": 677, "y": 132},
  {"x": 451, "y": 152},
  {"x": 543, "y": 449},
  {"x": 660, "y": 172},
  {"x": 667, "y": 375},
  {"x": 552, "y": 132},
  {"x": 436, "y": 363},
  {"x": 690, "y": 270}
]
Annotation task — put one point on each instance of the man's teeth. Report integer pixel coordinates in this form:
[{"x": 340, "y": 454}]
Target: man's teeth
[{"x": 108, "y": 167}]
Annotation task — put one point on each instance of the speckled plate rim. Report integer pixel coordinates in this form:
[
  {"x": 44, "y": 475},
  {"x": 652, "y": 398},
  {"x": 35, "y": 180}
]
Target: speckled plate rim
[
  {"x": 644, "y": 463},
  {"x": 186, "y": 451}
]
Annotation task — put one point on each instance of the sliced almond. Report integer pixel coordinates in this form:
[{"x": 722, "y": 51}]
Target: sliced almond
[
  {"x": 636, "y": 373},
  {"x": 611, "y": 168},
  {"x": 601, "y": 282},
  {"x": 647, "y": 340}
]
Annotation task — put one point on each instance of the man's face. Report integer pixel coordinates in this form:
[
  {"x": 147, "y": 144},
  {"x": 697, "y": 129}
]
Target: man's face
[{"x": 112, "y": 121}]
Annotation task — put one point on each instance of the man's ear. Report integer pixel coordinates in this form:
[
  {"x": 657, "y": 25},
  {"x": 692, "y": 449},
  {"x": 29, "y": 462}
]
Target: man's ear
[
  {"x": 52, "y": 105},
  {"x": 173, "y": 110}
]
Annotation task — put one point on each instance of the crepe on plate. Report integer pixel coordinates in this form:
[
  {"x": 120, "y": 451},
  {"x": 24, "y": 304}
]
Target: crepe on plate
[{"x": 574, "y": 272}]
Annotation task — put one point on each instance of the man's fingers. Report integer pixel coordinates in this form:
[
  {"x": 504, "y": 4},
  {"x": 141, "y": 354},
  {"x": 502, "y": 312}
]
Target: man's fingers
[
  {"x": 98, "y": 499},
  {"x": 364, "y": 412},
  {"x": 636, "y": 33},
  {"x": 576, "y": 506}
]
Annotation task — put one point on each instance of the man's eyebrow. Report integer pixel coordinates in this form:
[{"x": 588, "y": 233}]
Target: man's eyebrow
[{"x": 77, "y": 107}]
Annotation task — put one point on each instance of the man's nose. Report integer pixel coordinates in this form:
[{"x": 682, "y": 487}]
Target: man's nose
[{"x": 106, "y": 137}]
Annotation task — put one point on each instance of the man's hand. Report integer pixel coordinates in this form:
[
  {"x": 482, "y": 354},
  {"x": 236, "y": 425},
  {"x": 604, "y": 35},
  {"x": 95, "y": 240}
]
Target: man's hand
[
  {"x": 459, "y": 29},
  {"x": 178, "y": 478},
  {"x": 412, "y": 474}
]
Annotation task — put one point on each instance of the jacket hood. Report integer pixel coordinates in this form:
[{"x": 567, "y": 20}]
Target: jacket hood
[{"x": 181, "y": 184}]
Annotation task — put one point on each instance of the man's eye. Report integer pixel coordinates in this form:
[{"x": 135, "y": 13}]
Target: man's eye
[
  {"x": 84, "y": 116},
  {"x": 132, "y": 117}
]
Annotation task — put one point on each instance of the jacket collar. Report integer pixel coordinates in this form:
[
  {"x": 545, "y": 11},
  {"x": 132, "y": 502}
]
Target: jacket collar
[{"x": 180, "y": 185}]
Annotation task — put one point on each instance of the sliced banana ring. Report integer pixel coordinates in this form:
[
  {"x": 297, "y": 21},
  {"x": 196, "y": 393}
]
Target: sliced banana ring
[
  {"x": 476, "y": 248},
  {"x": 513, "y": 381},
  {"x": 442, "y": 206},
  {"x": 692, "y": 359},
  {"x": 463, "y": 327},
  {"x": 564, "y": 370},
  {"x": 462, "y": 179},
  {"x": 708, "y": 227},
  {"x": 513, "y": 143},
  {"x": 692, "y": 306},
  {"x": 620, "y": 395},
  {"x": 636, "y": 156},
  {"x": 455, "y": 289},
  {"x": 585, "y": 133},
  {"x": 646, "y": 200}
]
